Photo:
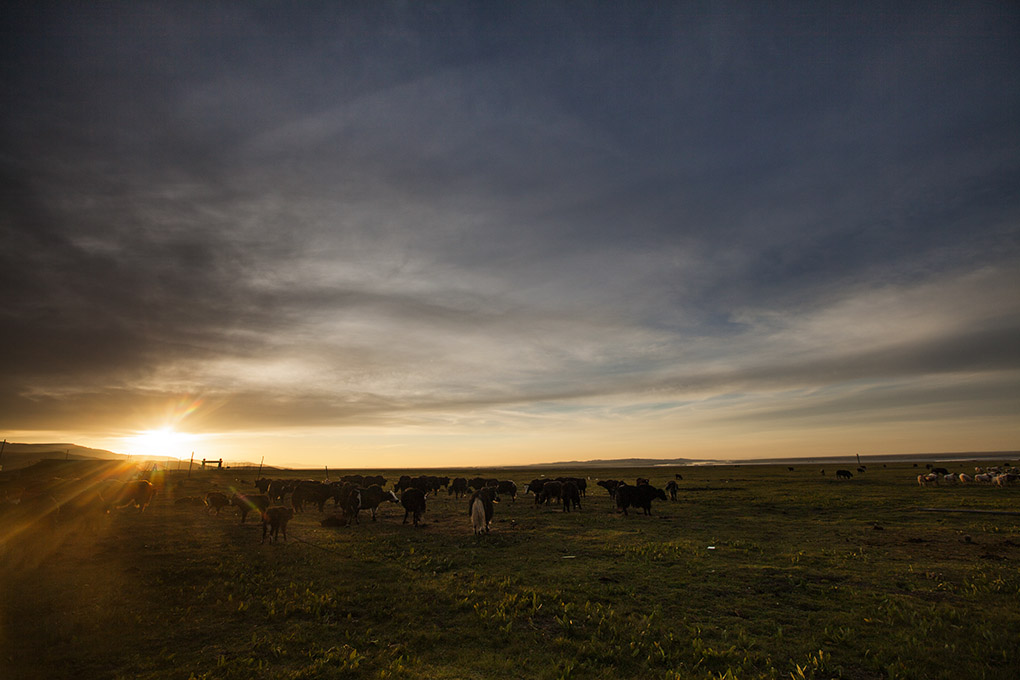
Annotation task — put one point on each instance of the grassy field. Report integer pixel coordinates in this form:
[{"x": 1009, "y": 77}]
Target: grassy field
[{"x": 756, "y": 572}]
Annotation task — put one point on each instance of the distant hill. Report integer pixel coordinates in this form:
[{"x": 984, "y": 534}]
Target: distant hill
[
  {"x": 22, "y": 455},
  {"x": 851, "y": 459},
  {"x": 614, "y": 463}
]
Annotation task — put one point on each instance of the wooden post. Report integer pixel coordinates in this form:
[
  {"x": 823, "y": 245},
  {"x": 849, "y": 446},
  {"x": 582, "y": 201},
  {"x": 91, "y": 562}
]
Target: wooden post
[
  {"x": 2, "y": 447},
  {"x": 190, "y": 463},
  {"x": 259, "y": 475},
  {"x": 327, "y": 473}
]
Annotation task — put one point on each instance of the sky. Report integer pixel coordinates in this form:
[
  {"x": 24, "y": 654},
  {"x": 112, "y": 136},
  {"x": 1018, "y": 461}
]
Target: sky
[{"x": 417, "y": 234}]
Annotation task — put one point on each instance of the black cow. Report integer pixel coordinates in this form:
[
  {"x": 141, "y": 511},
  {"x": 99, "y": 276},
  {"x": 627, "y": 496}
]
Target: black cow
[
  {"x": 374, "y": 479},
  {"x": 403, "y": 483},
  {"x": 509, "y": 488},
  {"x": 277, "y": 489},
  {"x": 248, "y": 502},
  {"x": 570, "y": 495},
  {"x": 274, "y": 520},
  {"x": 215, "y": 501},
  {"x": 356, "y": 480},
  {"x": 482, "y": 482},
  {"x": 373, "y": 496},
  {"x": 535, "y": 487},
  {"x": 480, "y": 508},
  {"x": 609, "y": 485},
  {"x": 311, "y": 492},
  {"x": 551, "y": 490},
  {"x": 640, "y": 496},
  {"x": 458, "y": 488},
  {"x": 679, "y": 476},
  {"x": 938, "y": 470},
  {"x": 413, "y": 500},
  {"x": 844, "y": 474},
  {"x": 427, "y": 483},
  {"x": 582, "y": 484}
]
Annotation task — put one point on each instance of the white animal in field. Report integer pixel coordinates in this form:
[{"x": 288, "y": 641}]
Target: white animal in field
[
  {"x": 930, "y": 479},
  {"x": 965, "y": 478}
]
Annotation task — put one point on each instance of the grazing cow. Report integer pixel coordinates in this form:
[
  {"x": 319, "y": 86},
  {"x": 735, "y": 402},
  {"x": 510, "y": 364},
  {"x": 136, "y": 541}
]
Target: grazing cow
[
  {"x": 671, "y": 489},
  {"x": 940, "y": 470},
  {"x": 861, "y": 470},
  {"x": 356, "y": 480},
  {"x": 535, "y": 487},
  {"x": 844, "y": 474},
  {"x": 138, "y": 493},
  {"x": 790, "y": 469},
  {"x": 215, "y": 501},
  {"x": 609, "y": 485},
  {"x": 427, "y": 483},
  {"x": 482, "y": 482},
  {"x": 458, "y": 488},
  {"x": 311, "y": 492},
  {"x": 929, "y": 479},
  {"x": 640, "y": 496},
  {"x": 403, "y": 483},
  {"x": 551, "y": 490},
  {"x": 262, "y": 484},
  {"x": 413, "y": 500},
  {"x": 582, "y": 484},
  {"x": 509, "y": 488},
  {"x": 274, "y": 520},
  {"x": 373, "y": 496},
  {"x": 248, "y": 502},
  {"x": 571, "y": 496},
  {"x": 679, "y": 477},
  {"x": 480, "y": 508}
]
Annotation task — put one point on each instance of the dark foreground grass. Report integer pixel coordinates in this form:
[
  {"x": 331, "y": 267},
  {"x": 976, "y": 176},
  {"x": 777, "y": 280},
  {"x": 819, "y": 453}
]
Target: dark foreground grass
[{"x": 756, "y": 572}]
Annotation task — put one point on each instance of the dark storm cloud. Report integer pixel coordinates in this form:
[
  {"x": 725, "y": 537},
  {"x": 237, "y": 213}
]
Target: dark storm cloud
[{"x": 321, "y": 214}]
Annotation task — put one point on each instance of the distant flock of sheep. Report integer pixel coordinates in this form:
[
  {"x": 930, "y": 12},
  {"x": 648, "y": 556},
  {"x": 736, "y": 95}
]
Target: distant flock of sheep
[{"x": 996, "y": 476}]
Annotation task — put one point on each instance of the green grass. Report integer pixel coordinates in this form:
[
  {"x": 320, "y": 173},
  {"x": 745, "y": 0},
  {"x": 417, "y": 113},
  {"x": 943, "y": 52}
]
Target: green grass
[{"x": 757, "y": 572}]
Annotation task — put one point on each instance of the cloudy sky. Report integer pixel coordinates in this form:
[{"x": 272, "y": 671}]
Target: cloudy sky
[{"x": 415, "y": 233}]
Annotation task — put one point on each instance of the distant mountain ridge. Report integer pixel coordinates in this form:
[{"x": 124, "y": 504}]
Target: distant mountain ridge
[
  {"x": 17, "y": 455},
  {"x": 865, "y": 458}
]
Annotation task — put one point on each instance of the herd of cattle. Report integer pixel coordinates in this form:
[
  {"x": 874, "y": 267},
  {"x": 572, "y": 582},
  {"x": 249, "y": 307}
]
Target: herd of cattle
[{"x": 278, "y": 500}]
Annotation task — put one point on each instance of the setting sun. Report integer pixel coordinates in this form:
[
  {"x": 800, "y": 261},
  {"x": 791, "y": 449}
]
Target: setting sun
[{"x": 161, "y": 443}]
